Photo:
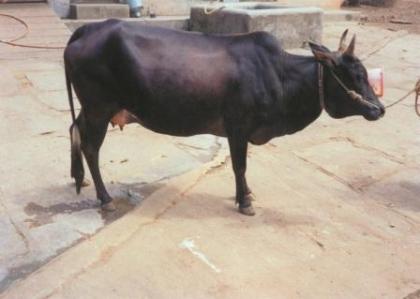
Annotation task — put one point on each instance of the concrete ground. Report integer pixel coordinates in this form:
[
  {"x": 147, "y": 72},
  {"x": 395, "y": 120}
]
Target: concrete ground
[{"x": 338, "y": 210}]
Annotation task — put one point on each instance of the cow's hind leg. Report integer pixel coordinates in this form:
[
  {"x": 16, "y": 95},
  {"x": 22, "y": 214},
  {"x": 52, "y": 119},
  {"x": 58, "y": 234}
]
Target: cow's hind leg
[
  {"x": 92, "y": 133},
  {"x": 238, "y": 151}
]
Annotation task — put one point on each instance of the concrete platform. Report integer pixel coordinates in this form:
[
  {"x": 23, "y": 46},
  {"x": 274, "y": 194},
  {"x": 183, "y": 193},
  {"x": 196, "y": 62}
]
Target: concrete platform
[{"x": 292, "y": 26}]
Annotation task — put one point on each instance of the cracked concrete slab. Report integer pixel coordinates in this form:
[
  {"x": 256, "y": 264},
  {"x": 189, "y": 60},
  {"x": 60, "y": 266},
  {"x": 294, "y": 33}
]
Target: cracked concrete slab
[
  {"x": 11, "y": 242},
  {"x": 331, "y": 158},
  {"x": 400, "y": 190},
  {"x": 311, "y": 238}
]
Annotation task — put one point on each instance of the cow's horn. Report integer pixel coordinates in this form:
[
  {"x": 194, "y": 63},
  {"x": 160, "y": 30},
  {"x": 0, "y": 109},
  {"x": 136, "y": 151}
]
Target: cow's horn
[
  {"x": 350, "y": 48},
  {"x": 342, "y": 45}
]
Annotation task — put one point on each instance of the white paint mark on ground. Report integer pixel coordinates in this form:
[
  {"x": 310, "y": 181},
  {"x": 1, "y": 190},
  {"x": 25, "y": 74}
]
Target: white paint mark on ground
[{"x": 190, "y": 246}]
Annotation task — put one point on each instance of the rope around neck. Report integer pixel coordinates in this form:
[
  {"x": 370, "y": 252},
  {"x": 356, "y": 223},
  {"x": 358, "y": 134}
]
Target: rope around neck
[{"x": 321, "y": 86}]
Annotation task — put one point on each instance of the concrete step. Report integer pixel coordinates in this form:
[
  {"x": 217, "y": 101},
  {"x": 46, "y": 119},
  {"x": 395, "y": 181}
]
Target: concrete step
[{"x": 98, "y": 10}]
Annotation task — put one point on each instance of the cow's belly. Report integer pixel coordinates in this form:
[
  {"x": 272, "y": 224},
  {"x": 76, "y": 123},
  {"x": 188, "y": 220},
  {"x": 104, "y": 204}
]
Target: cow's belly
[
  {"x": 179, "y": 122},
  {"x": 214, "y": 127}
]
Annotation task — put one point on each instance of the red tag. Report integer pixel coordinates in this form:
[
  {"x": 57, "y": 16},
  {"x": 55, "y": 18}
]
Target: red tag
[{"x": 376, "y": 80}]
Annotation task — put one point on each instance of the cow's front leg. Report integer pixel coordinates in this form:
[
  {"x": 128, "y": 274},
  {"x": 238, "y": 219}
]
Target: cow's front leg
[{"x": 238, "y": 151}]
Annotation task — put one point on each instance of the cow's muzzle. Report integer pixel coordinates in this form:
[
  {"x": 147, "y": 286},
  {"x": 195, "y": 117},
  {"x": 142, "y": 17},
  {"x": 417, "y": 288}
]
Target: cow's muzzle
[{"x": 373, "y": 111}]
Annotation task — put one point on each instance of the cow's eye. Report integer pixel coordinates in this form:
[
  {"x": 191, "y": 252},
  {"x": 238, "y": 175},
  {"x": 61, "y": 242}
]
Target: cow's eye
[{"x": 358, "y": 77}]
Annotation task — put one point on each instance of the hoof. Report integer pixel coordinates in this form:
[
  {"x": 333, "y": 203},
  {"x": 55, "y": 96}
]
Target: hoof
[
  {"x": 249, "y": 210},
  {"x": 108, "y": 207}
]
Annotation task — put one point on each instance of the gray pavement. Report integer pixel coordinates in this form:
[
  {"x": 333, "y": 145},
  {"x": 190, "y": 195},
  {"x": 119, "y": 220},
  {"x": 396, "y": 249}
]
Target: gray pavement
[{"x": 338, "y": 213}]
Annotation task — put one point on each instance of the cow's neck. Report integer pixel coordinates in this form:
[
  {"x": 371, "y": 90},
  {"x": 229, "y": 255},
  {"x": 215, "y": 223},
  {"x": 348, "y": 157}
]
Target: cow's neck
[
  {"x": 299, "y": 75},
  {"x": 297, "y": 99}
]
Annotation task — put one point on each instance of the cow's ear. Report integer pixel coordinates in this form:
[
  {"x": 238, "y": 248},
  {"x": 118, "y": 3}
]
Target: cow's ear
[{"x": 323, "y": 55}]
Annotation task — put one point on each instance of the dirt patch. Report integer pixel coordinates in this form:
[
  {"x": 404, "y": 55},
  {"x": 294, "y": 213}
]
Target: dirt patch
[{"x": 403, "y": 15}]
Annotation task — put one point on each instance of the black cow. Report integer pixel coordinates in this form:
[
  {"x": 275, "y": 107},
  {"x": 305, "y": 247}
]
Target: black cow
[{"x": 243, "y": 87}]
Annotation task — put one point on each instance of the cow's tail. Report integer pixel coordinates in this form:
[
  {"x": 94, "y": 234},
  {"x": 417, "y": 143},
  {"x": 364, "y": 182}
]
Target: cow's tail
[{"x": 77, "y": 172}]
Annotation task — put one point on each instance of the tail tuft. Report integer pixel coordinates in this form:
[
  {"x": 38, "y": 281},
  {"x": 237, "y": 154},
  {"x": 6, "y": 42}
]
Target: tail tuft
[{"x": 77, "y": 171}]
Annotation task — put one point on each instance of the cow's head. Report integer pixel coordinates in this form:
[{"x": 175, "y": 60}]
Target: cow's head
[{"x": 343, "y": 70}]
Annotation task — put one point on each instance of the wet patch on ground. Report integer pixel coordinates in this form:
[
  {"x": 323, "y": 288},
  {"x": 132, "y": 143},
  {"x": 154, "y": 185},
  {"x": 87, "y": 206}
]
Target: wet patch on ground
[
  {"x": 41, "y": 215},
  {"x": 132, "y": 195}
]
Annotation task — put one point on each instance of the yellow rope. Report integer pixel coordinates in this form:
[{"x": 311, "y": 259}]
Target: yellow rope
[
  {"x": 416, "y": 89},
  {"x": 12, "y": 41}
]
